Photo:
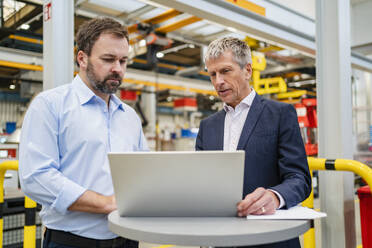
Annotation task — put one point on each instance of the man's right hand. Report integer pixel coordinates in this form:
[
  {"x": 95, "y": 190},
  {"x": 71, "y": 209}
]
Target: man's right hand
[
  {"x": 259, "y": 202},
  {"x": 93, "y": 202}
]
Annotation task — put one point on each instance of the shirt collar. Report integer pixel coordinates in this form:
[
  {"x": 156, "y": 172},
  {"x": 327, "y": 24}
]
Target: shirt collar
[
  {"x": 246, "y": 102},
  {"x": 85, "y": 94},
  {"x": 117, "y": 102}
]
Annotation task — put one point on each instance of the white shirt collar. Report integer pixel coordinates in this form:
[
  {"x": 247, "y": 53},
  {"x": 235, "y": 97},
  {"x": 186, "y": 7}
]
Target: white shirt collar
[{"x": 246, "y": 102}]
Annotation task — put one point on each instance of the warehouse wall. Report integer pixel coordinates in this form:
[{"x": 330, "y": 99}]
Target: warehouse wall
[{"x": 9, "y": 112}]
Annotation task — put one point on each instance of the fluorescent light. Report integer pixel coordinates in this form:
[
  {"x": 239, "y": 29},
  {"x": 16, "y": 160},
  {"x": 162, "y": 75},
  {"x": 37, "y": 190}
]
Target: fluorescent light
[
  {"x": 25, "y": 26},
  {"x": 231, "y": 29},
  {"x": 160, "y": 55},
  {"x": 12, "y": 86},
  {"x": 142, "y": 43}
]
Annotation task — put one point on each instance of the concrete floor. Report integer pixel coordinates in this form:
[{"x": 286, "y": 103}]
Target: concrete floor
[{"x": 318, "y": 232}]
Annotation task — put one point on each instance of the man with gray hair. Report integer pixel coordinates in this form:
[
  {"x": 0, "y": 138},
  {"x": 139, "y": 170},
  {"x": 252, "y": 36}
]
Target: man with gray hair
[{"x": 276, "y": 173}]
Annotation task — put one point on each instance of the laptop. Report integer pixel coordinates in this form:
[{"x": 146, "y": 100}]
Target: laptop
[{"x": 177, "y": 184}]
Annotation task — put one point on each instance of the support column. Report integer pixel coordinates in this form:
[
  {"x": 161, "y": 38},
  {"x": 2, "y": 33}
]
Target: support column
[
  {"x": 149, "y": 110},
  {"x": 58, "y": 42},
  {"x": 333, "y": 72},
  {"x": 1, "y": 13}
]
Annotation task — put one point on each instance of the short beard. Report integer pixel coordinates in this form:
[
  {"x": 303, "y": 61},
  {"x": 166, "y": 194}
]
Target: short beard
[{"x": 103, "y": 86}]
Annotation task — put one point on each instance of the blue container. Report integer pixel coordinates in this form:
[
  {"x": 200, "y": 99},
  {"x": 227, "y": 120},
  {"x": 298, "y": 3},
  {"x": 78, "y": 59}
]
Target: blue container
[
  {"x": 10, "y": 127},
  {"x": 187, "y": 133}
]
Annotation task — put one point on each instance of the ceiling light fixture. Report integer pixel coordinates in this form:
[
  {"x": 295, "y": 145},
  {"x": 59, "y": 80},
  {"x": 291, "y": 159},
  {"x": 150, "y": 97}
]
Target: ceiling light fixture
[
  {"x": 177, "y": 48},
  {"x": 12, "y": 86},
  {"x": 25, "y": 26},
  {"x": 142, "y": 43},
  {"x": 231, "y": 29},
  {"x": 159, "y": 55}
]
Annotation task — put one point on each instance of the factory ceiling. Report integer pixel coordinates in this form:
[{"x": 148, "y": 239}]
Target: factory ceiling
[{"x": 162, "y": 39}]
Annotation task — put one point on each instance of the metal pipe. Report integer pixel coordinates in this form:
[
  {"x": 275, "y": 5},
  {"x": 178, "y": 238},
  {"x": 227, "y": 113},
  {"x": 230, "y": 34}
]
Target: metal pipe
[{"x": 358, "y": 168}]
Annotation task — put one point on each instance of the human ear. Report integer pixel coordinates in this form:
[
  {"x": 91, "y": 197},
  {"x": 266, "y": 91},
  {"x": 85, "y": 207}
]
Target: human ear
[
  {"x": 82, "y": 59},
  {"x": 248, "y": 69}
]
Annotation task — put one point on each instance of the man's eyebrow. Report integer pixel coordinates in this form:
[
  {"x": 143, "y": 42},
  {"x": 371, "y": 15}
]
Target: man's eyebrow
[
  {"x": 112, "y": 56},
  {"x": 107, "y": 55}
]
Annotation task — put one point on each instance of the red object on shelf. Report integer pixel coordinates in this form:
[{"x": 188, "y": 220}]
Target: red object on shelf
[
  {"x": 311, "y": 149},
  {"x": 308, "y": 121},
  {"x": 12, "y": 153},
  {"x": 186, "y": 103},
  {"x": 128, "y": 95},
  {"x": 365, "y": 203}
]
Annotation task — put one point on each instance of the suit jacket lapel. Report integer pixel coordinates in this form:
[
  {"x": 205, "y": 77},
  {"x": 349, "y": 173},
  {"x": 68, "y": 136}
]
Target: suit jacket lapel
[
  {"x": 252, "y": 118},
  {"x": 220, "y": 126}
]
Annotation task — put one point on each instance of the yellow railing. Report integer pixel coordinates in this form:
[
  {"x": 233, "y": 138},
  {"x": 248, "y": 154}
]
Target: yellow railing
[
  {"x": 309, "y": 237},
  {"x": 29, "y": 230},
  {"x": 358, "y": 168}
]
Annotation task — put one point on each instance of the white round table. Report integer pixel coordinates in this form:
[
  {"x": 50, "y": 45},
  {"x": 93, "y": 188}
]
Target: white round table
[{"x": 206, "y": 231}]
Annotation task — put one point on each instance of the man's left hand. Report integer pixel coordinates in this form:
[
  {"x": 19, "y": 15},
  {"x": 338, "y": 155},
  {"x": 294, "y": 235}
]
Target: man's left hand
[{"x": 261, "y": 201}]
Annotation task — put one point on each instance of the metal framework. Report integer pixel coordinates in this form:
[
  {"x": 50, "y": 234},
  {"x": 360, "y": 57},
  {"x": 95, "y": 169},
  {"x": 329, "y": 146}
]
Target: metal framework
[{"x": 225, "y": 13}]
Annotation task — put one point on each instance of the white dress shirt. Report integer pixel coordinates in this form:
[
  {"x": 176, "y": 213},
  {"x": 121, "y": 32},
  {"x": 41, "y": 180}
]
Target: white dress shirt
[{"x": 234, "y": 123}]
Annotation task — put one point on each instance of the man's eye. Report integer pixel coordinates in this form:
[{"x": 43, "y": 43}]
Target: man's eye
[
  {"x": 123, "y": 61},
  {"x": 225, "y": 70},
  {"x": 108, "y": 60}
]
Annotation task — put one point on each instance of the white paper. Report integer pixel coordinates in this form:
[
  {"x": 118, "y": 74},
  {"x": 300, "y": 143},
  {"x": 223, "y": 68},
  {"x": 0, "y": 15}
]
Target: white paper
[{"x": 294, "y": 213}]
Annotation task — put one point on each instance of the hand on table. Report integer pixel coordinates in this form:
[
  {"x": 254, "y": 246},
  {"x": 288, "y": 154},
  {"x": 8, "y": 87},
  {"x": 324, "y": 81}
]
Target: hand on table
[{"x": 261, "y": 201}]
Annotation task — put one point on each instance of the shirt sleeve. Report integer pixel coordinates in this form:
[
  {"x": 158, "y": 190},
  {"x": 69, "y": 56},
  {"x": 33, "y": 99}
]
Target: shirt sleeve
[
  {"x": 39, "y": 164},
  {"x": 280, "y": 197}
]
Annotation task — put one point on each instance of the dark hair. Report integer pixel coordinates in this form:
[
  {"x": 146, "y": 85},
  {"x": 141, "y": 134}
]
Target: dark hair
[{"x": 90, "y": 31}]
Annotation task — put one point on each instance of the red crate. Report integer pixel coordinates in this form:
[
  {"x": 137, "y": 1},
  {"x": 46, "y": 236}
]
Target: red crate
[
  {"x": 183, "y": 102},
  {"x": 365, "y": 202},
  {"x": 128, "y": 95}
]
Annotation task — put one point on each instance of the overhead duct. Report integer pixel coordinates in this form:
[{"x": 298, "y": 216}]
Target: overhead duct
[{"x": 194, "y": 70}]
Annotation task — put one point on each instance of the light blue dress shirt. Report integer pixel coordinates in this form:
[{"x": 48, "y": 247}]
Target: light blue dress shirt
[{"x": 66, "y": 135}]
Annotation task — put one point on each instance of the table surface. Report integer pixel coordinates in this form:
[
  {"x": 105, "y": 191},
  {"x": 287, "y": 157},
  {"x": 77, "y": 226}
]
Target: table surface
[{"x": 206, "y": 231}]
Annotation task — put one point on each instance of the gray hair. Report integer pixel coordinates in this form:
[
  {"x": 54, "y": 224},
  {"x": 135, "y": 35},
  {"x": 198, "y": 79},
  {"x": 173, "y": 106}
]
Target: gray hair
[{"x": 240, "y": 50}]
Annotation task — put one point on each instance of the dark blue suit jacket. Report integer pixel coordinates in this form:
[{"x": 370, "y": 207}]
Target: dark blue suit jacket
[{"x": 275, "y": 156}]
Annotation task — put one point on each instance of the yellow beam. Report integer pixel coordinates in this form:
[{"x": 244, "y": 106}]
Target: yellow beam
[
  {"x": 21, "y": 65},
  {"x": 249, "y": 6},
  {"x": 162, "y": 86},
  {"x": 292, "y": 94},
  {"x": 179, "y": 24},
  {"x": 156, "y": 19},
  {"x": 269, "y": 49},
  {"x": 172, "y": 67},
  {"x": 26, "y": 39},
  {"x": 292, "y": 101},
  {"x": 163, "y": 17}
]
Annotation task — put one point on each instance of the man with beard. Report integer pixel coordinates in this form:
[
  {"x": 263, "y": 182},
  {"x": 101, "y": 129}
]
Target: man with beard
[{"x": 66, "y": 135}]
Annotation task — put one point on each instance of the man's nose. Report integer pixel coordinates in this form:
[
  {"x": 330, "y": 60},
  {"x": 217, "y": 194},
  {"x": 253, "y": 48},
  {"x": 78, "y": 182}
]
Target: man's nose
[
  {"x": 219, "y": 79},
  {"x": 116, "y": 67}
]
